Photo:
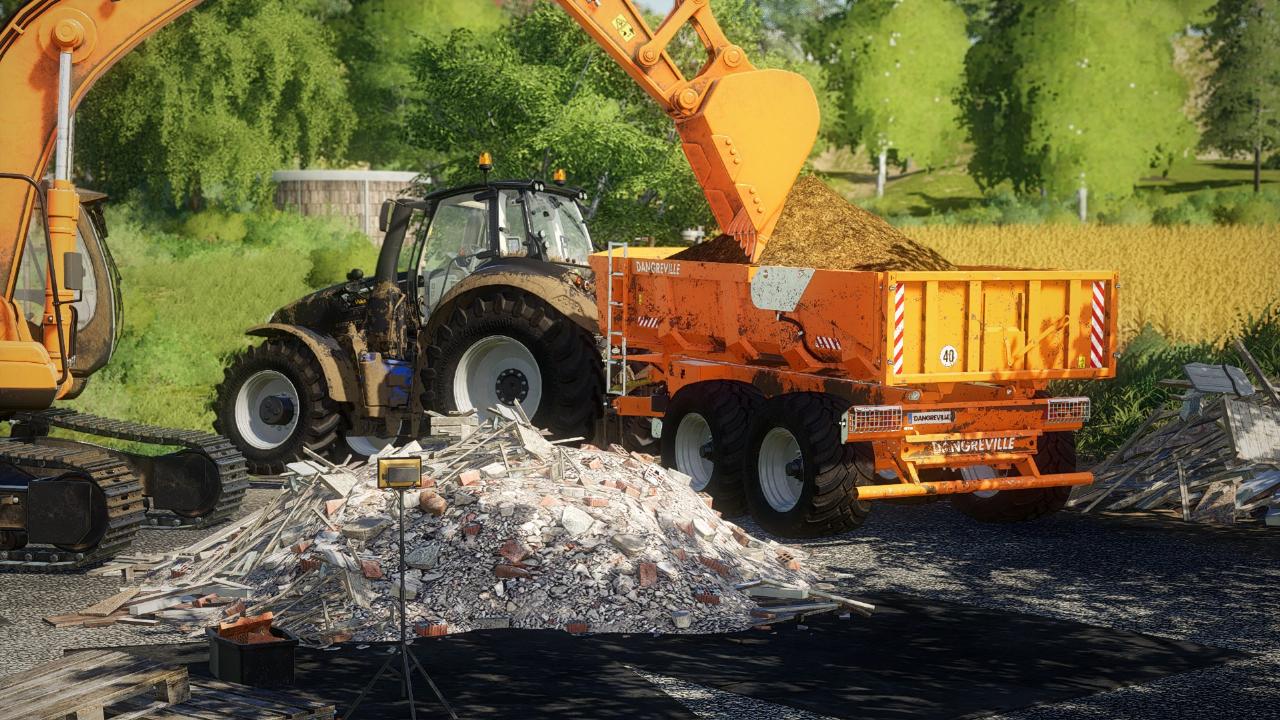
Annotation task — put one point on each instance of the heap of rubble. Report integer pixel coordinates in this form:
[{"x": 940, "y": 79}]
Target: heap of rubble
[{"x": 505, "y": 530}]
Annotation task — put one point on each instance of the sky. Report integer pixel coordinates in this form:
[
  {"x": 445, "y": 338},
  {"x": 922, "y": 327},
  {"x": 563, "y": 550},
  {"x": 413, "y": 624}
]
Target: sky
[{"x": 661, "y": 6}]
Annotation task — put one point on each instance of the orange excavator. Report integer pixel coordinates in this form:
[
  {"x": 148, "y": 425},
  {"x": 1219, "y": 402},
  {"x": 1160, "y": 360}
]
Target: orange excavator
[{"x": 63, "y": 503}]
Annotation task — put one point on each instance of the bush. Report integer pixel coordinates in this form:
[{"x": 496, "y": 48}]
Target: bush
[
  {"x": 215, "y": 227},
  {"x": 1185, "y": 213},
  {"x": 1130, "y": 211},
  {"x": 1255, "y": 209}
]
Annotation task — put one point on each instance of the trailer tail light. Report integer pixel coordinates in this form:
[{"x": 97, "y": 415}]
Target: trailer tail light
[
  {"x": 1068, "y": 411},
  {"x": 869, "y": 419}
]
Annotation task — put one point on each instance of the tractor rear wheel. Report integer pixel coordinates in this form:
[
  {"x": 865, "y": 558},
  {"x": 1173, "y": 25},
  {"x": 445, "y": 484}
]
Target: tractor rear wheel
[
  {"x": 802, "y": 478},
  {"x": 273, "y": 402},
  {"x": 704, "y": 436},
  {"x": 1057, "y": 454},
  {"x": 501, "y": 346}
]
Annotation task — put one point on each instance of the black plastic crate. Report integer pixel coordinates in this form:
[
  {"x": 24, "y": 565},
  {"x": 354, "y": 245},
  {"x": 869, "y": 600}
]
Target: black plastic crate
[{"x": 264, "y": 665}]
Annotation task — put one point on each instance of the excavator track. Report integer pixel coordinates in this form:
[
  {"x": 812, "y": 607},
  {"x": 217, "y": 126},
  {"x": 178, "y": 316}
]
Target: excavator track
[
  {"x": 126, "y": 510},
  {"x": 232, "y": 470}
]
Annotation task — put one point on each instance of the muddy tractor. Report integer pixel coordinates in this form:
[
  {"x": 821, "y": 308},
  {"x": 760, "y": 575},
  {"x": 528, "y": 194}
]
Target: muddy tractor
[{"x": 481, "y": 300}]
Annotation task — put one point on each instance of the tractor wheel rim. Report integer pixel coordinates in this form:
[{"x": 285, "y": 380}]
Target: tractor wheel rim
[
  {"x": 692, "y": 435},
  {"x": 778, "y": 450},
  {"x": 261, "y": 386},
  {"x": 490, "y": 364},
  {"x": 367, "y": 445},
  {"x": 980, "y": 472}
]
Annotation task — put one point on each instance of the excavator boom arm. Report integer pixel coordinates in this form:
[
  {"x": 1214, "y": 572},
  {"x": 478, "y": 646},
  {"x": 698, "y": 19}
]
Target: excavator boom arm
[{"x": 746, "y": 132}]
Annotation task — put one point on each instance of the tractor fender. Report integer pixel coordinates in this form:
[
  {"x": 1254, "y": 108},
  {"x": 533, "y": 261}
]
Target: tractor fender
[
  {"x": 538, "y": 279},
  {"x": 325, "y": 349}
]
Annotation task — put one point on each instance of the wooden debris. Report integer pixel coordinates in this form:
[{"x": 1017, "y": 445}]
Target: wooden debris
[
  {"x": 1215, "y": 459},
  {"x": 111, "y": 604}
]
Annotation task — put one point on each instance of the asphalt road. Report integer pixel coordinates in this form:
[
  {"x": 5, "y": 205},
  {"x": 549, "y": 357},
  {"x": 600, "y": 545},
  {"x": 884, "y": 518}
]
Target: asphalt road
[{"x": 1216, "y": 587}]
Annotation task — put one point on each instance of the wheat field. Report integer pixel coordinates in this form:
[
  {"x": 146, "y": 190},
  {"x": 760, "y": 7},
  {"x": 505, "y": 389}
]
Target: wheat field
[{"x": 1191, "y": 283}]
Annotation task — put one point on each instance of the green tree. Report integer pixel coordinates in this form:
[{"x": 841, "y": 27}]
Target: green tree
[
  {"x": 1076, "y": 95},
  {"x": 377, "y": 41},
  {"x": 1243, "y": 111},
  {"x": 206, "y": 109},
  {"x": 904, "y": 60},
  {"x": 541, "y": 94}
]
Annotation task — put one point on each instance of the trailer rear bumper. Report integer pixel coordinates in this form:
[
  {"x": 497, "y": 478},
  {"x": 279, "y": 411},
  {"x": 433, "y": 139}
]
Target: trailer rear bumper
[{"x": 952, "y": 487}]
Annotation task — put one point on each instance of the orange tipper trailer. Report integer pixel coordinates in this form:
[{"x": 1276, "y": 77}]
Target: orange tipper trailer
[{"x": 808, "y": 392}]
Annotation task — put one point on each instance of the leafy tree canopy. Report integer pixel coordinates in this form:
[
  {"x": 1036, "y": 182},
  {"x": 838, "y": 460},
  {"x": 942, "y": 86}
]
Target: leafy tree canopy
[
  {"x": 540, "y": 94},
  {"x": 903, "y": 61},
  {"x": 207, "y": 108},
  {"x": 1063, "y": 94},
  {"x": 377, "y": 41},
  {"x": 1243, "y": 111}
]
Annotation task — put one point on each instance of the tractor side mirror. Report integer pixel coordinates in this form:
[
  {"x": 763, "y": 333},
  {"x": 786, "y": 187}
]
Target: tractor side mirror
[
  {"x": 356, "y": 275},
  {"x": 384, "y": 215}
]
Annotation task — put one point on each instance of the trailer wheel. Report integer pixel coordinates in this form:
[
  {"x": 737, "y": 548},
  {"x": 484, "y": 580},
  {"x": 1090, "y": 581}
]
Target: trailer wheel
[
  {"x": 1057, "y": 454},
  {"x": 502, "y": 345},
  {"x": 704, "y": 435},
  {"x": 272, "y": 403},
  {"x": 802, "y": 479}
]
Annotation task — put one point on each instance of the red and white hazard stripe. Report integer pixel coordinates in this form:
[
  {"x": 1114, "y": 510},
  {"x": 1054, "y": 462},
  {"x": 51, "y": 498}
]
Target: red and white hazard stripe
[
  {"x": 899, "y": 326},
  {"x": 1097, "y": 351}
]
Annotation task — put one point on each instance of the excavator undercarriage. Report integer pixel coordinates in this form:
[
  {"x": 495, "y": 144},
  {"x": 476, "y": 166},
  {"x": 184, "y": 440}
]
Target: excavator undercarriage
[{"x": 65, "y": 503}]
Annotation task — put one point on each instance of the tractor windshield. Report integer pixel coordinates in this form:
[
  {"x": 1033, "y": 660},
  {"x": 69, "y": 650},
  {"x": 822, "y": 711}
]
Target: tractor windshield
[
  {"x": 558, "y": 221},
  {"x": 458, "y": 233}
]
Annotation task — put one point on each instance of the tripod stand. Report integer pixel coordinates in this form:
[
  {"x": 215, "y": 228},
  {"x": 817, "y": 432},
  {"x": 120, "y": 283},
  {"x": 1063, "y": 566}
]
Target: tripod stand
[{"x": 402, "y": 648}]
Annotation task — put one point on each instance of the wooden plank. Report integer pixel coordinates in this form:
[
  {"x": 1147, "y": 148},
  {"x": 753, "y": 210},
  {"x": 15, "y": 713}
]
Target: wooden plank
[
  {"x": 64, "y": 663},
  {"x": 108, "y": 606},
  {"x": 69, "y": 687},
  {"x": 62, "y": 695},
  {"x": 263, "y": 693}
]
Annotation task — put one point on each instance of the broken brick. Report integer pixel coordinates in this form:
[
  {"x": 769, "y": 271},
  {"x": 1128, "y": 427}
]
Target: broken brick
[
  {"x": 595, "y": 502},
  {"x": 467, "y": 478},
  {"x": 234, "y": 608},
  {"x": 205, "y": 601},
  {"x": 471, "y": 529},
  {"x": 331, "y": 507},
  {"x": 301, "y": 546},
  {"x": 743, "y": 539},
  {"x": 792, "y": 564},
  {"x": 431, "y": 629},
  {"x": 720, "y": 568},
  {"x": 706, "y": 499},
  {"x": 510, "y": 572},
  {"x": 307, "y": 564},
  {"x": 686, "y": 528},
  {"x": 427, "y": 482},
  {"x": 680, "y": 553},
  {"x": 595, "y": 464},
  {"x": 339, "y": 636},
  {"x": 513, "y": 551},
  {"x": 548, "y": 501},
  {"x": 632, "y": 492},
  {"x": 648, "y": 574},
  {"x": 371, "y": 569},
  {"x": 578, "y": 628},
  {"x": 707, "y": 598},
  {"x": 430, "y": 501}
]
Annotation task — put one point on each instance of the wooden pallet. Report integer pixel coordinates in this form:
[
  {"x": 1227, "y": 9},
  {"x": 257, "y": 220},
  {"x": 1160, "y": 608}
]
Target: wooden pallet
[
  {"x": 215, "y": 700},
  {"x": 81, "y": 686}
]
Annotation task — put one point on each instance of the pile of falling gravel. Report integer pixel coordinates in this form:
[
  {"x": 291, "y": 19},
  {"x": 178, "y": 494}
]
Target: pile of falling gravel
[{"x": 820, "y": 229}]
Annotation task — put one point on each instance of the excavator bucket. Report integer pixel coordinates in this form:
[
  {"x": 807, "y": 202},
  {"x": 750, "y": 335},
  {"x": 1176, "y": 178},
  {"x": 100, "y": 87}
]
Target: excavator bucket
[
  {"x": 747, "y": 144},
  {"x": 746, "y": 132}
]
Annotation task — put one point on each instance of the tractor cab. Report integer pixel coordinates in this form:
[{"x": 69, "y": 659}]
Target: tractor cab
[{"x": 451, "y": 234}]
